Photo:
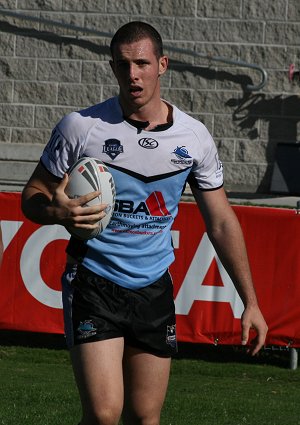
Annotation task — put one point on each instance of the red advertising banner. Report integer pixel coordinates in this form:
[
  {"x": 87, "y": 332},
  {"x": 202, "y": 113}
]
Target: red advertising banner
[{"x": 208, "y": 307}]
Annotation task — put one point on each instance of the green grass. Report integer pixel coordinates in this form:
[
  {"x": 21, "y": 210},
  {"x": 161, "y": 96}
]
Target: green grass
[
  {"x": 231, "y": 393},
  {"x": 37, "y": 388}
]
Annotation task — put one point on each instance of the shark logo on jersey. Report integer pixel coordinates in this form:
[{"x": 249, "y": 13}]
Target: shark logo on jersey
[
  {"x": 181, "y": 152},
  {"x": 112, "y": 148},
  {"x": 182, "y": 155}
]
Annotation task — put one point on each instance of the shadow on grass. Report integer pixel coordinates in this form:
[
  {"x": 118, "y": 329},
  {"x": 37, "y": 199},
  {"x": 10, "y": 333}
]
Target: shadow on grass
[
  {"x": 32, "y": 339},
  {"x": 275, "y": 356}
]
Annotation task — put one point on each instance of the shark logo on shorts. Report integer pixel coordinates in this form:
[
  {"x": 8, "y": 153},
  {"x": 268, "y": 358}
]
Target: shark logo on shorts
[
  {"x": 171, "y": 336},
  {"x": 86, "y": 329}
]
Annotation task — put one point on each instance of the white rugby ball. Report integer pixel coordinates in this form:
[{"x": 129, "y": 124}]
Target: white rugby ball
[{"x": 85, "y": 176}]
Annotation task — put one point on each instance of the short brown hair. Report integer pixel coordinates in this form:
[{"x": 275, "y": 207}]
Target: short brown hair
[{"x": 135, "y": 31}]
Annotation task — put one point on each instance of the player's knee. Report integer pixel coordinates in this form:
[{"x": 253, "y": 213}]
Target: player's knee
[
  {"x": 102, "y": 417},
  {"x": 138, "y": 418},
  {"x": 149, "y": 421}
]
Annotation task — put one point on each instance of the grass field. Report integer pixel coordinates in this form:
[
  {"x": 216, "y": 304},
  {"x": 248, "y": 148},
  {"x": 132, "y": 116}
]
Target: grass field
[{"x": 37, "y": 388}]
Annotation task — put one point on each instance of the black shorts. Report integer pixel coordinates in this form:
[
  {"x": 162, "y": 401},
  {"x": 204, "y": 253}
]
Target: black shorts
[{"x": 145, "y": 318}]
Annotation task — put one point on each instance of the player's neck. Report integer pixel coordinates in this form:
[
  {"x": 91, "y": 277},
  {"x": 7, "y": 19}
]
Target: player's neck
[{"x": 162, "y": 114}]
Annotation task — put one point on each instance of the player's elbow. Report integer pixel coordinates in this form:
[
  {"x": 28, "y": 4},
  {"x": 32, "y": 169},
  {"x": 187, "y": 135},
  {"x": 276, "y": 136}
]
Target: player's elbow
[
  {"x": 223, "y": 230},
  {"x": 32, "y": 204}
]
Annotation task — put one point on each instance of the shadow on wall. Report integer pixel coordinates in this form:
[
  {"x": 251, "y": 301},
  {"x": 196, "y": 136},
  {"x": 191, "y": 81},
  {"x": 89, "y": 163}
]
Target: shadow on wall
[
  {"x": 211, "y": 73},
  {"x": 50, "y": 37},
  {"x": 280, "y": 113}
]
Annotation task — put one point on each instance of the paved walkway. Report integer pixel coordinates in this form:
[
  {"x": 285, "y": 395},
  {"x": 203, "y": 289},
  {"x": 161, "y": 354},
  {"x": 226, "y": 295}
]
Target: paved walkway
[
  {"x": 265, "y": 200},
  {"x": 254, "y": 199}
]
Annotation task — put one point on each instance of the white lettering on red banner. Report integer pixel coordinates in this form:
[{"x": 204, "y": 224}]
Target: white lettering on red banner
[
  {"x": 30, "y": 270},
  {"x": 207, "y": 305},
  {"x": 9, "y": 230},
  {"x": 192, "y": 288}
]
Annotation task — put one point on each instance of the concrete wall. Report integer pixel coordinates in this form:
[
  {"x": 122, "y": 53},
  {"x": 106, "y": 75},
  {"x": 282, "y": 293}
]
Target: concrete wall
[{"x": 47, "y": 71}]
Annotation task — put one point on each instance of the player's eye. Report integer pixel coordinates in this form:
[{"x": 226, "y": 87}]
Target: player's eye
[{"x": 142, "y": 63}]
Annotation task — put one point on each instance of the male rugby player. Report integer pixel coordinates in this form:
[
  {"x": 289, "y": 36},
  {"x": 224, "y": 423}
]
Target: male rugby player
[{"x": 123, "y": 331}]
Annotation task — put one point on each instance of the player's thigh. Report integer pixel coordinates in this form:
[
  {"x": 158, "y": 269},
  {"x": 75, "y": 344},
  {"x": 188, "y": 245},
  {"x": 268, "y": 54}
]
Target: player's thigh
[
  {"x": 98, "y": 372},
  {"x": 146, "y": 379}
]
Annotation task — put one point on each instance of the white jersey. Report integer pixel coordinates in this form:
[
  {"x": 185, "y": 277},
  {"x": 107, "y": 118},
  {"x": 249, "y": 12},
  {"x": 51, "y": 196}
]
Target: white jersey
[{"x": 150, "y": 169}]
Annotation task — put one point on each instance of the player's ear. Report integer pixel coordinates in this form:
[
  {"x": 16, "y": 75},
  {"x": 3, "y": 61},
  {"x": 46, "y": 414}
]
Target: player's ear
[{"x": 163, "y": 65}]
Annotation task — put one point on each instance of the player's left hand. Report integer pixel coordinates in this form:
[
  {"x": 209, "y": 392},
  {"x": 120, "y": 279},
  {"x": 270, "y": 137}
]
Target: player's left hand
[{"x": 252, "y": 318}]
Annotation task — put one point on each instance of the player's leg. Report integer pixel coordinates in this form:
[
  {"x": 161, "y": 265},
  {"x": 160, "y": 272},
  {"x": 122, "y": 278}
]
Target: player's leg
[
  {"x": 146, "y": 379},
  {"x": 98, "y": 372},
  {"x": 147, "y": 353},
  {"x": 98, "y": 347}
]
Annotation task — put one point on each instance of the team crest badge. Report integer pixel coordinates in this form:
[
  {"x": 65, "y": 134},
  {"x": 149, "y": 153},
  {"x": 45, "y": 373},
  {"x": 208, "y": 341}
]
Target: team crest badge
[
  {"x": 86, "y": 329},
  {"x": 112, "y": 148},
  {"x": 182, "y": 155},
  {"x": 171, "y": 336}
]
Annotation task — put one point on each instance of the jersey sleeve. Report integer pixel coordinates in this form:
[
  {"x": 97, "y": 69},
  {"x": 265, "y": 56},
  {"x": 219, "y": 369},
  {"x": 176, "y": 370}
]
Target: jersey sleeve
[
  {"x": 65, "y": 145},
  {"x": 207, "y": 171}
]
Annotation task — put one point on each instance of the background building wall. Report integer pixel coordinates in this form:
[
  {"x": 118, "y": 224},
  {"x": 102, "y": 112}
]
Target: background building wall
[{"x": 47, "y": 71}]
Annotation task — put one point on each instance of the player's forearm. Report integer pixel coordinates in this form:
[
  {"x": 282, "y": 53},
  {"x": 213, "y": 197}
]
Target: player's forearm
[
  {"x": 229, "y": 244},
  {"x": 37, "y": 207}
]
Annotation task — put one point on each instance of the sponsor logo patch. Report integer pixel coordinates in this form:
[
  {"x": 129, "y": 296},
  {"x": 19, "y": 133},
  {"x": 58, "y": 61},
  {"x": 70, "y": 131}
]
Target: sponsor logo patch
[
  {"x": 154, "y": 206},
  {"x": 148, "y": 143},
  {"x": 171, "y": 336},
  {"x": 112, "y": 148}
]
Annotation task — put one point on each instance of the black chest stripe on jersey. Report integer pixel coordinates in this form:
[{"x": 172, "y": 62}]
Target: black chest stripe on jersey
[{"x": 143, "y": 178}]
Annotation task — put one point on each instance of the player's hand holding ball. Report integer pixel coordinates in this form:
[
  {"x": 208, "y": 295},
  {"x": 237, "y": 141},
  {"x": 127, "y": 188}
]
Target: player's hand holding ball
[{"x": 91, "y": 196}]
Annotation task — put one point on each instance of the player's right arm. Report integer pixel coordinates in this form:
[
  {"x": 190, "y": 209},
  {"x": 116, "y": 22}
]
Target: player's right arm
[{"x": 44, "y": 201}]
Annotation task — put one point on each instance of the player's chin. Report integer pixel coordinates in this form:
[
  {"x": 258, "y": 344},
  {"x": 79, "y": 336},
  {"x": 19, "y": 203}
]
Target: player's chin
[{"x": 136, "y": 100}]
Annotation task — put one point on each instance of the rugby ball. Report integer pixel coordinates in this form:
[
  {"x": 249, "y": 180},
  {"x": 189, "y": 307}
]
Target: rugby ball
[{"x": 85, "y": 176}]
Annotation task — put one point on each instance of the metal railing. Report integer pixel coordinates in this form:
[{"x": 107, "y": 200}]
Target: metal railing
[{"x": 78, "y": 29}]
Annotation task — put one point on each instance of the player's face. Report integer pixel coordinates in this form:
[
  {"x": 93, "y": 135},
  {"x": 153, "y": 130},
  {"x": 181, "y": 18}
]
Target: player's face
[{"x": 137, "y": 70}]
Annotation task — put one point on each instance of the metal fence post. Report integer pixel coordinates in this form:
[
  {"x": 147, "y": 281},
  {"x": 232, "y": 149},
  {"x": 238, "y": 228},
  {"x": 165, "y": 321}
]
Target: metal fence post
[{"x": 293, "y": 358}]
